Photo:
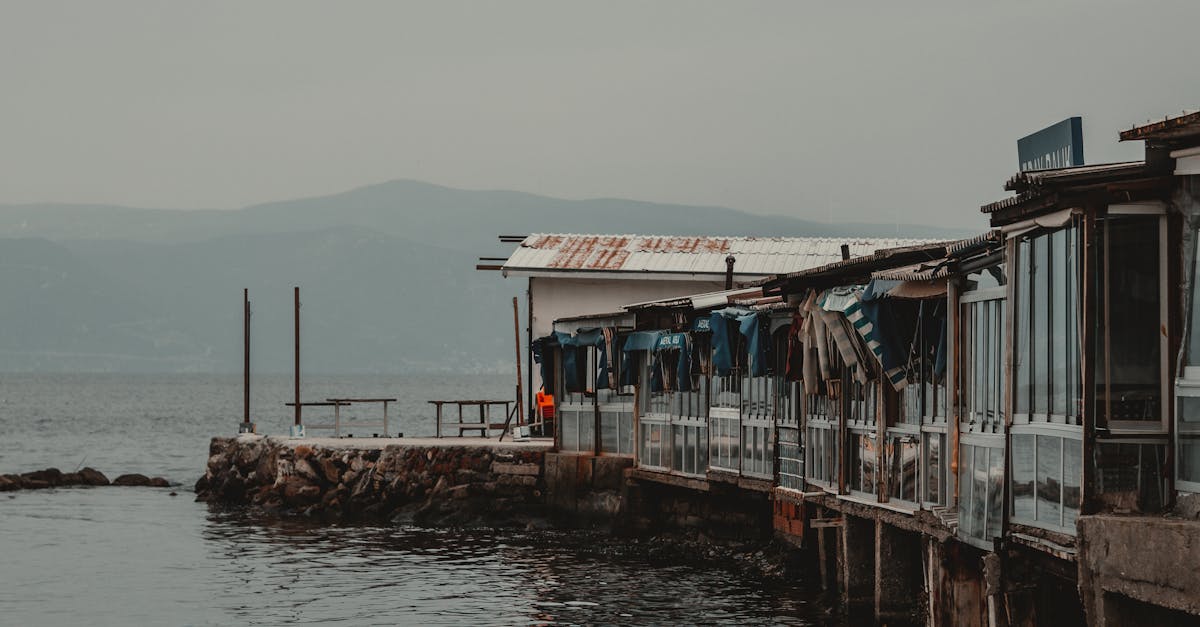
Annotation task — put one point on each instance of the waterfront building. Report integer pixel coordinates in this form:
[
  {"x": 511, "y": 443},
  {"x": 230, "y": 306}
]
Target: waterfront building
[
  {"x": 580, "y": 275},
  {"x": 999, "y": 430}
]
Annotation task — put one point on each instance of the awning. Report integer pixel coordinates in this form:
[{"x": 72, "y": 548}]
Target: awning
[
  {"x": 642, "y": 341},
  {"x": 935, "y": 288}
]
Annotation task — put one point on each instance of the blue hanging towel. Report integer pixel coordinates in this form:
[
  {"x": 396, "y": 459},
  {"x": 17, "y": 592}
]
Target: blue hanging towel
[
  {"x": 678, "y": 343},
  {"x": 722, "y": 355},
  {"x": 753, "y": 328},
  {"x": 572, "y": 381}
]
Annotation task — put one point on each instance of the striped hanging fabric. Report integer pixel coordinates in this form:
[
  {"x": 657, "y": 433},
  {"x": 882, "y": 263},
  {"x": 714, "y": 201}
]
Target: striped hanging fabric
[
  {"x": 897, "y": 376},
  {"x": 844, "y": 304}
]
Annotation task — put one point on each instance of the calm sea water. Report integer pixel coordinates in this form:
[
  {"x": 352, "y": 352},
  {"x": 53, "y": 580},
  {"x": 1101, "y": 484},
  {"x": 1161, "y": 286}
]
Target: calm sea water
[{"x": 138, "y": 556}]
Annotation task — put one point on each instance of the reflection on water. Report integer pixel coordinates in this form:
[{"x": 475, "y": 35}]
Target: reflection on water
[
  {"x": 112, "y": 556},
  {"x": 480, "y": 576}
]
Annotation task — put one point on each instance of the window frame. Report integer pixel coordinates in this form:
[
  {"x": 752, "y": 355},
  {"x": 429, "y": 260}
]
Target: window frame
[{"x": 1142, "y": 427}]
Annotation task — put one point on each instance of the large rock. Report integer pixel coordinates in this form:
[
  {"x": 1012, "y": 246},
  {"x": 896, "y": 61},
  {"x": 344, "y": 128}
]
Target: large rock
[
  {"x": 296, "y": 491},
  {"x": 330, "y": 470},
  {"x": 51, "y": 476},
  {"x": 91, "y": 476},
  {"x": 132, "y": 479}
]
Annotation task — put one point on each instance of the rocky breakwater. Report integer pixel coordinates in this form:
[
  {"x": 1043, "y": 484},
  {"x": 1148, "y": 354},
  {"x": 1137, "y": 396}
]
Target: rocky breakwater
[
  {"x": 422, "y": 481},
  {"x": 55, "y": 478}
]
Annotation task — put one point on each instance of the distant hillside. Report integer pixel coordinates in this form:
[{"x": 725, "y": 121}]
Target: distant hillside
[{"x": 387, "y": 276}]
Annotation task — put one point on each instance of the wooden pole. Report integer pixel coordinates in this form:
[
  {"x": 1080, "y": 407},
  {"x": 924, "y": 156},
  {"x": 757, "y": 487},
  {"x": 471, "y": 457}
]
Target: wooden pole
[
  {"x": 297, "y": 341},
  {"x": 246, "y": 356},
  {"x": 517, "y": 340}
]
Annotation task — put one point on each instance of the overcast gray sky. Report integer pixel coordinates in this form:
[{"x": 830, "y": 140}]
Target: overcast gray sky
[{"x": 895, "y": 111}]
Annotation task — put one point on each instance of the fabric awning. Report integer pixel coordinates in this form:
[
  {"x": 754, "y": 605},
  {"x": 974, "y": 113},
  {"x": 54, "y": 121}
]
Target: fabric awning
[
  {"x": 935, "y": 288},
  {"x": 642, "y": 340}
]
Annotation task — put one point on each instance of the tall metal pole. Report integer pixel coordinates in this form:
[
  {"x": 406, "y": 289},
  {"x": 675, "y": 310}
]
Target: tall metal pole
[
  {"x": 245, "y": 369},
  {"x": 297, "y": 313},
  {"x": 246, "y": 426},
  {"x": 517, "y": 344}
]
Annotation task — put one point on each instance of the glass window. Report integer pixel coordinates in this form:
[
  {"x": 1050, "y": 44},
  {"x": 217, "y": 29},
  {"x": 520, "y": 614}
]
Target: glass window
[
  {"x": 1072, "y": 468},
  {"x": 966, "y": 487},
  {"x": 1022, "y": 306},
  {"x": 982, "y": 378},
  {"x": 935, "y": 468},
  {"x": 1058, "y": 323},
  {"x": 1046, "y": 352},
  {"x": 903, "y": 466},
  {"x": 995, "y": 499},
  {"x": 1023, "y": 472},
  {"x": 1049, "y": 480},
  {"x": 1128, "y": 367},
  {"x": 1039, "y": 314},
  {"x": 979, "y": 492},
  {"x": 1188, "y": 417}
]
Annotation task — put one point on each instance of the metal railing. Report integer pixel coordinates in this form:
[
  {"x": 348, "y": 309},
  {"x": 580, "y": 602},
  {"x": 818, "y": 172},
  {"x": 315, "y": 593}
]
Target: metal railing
[
  {"x": 484, "y": 426},
  {"x": 337, "y": 404}
]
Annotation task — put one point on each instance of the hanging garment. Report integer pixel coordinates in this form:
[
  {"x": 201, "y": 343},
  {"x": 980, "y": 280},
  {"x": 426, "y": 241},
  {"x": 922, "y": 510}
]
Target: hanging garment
[
  {"x": 753, "y": 326},
  {"x": 820, "y": 339},
  {"x": 610, "y": 341},
  {"x": 844, "y": 338},
  {"x": 722, "y": 359},
  {"x": 572, "y": 366},
  {"x": 539, "y": 349},
  {"x": 794, "y": 367},
  {"x": 847, "y": 302}
]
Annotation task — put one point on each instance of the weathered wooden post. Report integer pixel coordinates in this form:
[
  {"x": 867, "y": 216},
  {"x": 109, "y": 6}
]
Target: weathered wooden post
[
  {"x": 298, "y": 427},
  {"x": 246, "y": 426}
]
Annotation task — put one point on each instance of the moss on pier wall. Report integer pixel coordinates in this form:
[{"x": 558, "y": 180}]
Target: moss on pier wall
[{"x": 424, "y": 484}]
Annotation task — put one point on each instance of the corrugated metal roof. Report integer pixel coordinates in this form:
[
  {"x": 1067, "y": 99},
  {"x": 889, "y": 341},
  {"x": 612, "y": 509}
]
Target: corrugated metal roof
[
  {"x": 1023, "y": 181},
  {"x": 921, "y": 249},
  {"x": 1039, "y": 185},
  {"x": 1168, "y": 129},
  {"x": 550, "y": 253},
  {"x": 698, "y": 301}
]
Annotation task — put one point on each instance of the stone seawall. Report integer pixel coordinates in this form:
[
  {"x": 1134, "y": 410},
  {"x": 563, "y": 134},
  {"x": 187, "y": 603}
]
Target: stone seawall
[{"x": 425, "y": 482}]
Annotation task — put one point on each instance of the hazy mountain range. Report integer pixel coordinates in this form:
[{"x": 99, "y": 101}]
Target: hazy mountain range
[{"x": 386, "y": 273}]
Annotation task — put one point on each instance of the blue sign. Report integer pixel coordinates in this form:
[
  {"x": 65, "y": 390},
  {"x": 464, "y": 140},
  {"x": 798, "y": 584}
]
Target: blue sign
[{"x": 1056, "y": 146}]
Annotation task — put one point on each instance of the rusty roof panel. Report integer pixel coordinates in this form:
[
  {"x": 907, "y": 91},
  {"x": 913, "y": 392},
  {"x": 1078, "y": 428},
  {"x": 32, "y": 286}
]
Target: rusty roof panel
[
  {"x": 755, "y": 256},
  {"x": 1185, "y": 126}
]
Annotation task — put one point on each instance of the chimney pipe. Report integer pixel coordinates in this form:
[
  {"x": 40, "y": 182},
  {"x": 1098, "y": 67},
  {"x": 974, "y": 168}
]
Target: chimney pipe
[
  {"x": 729, "y": 261},
  {"x": 845, "y": 252}
]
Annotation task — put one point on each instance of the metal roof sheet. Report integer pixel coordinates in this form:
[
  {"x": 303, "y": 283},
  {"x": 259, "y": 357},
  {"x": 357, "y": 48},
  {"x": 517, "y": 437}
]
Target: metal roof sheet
[
  {"x": 550, "y": 253},
  {"x": 1169, "y": 129},
  {"x": 699, "y": 301}
]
